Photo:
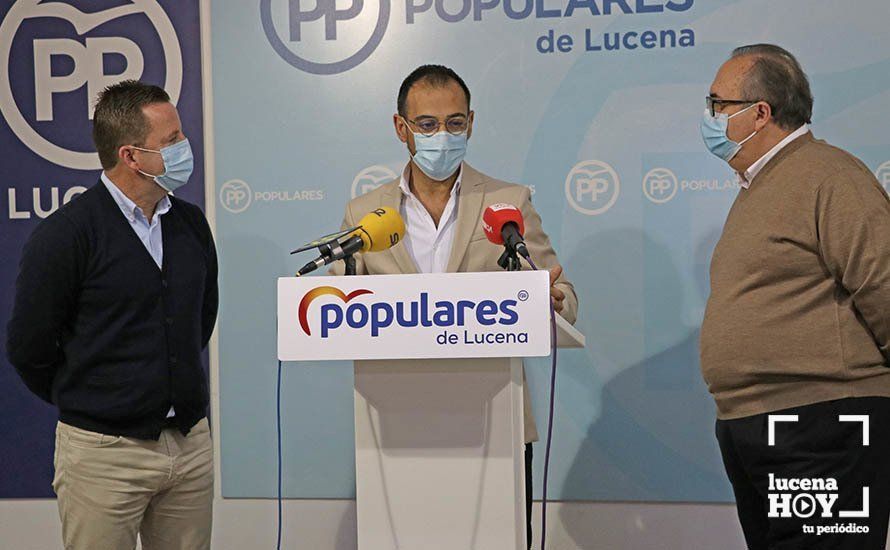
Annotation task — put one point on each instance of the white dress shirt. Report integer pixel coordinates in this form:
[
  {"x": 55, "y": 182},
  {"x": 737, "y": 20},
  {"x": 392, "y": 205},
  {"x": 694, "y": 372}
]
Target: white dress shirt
[
  {"x": 428, "y": 245},
  {"x": 752, "y": 171}
]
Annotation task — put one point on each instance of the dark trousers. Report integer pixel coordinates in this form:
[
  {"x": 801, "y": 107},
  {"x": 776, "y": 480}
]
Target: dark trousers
[
  {"x": 778, "y": 513},
  {"x": 528, "y": 494}
]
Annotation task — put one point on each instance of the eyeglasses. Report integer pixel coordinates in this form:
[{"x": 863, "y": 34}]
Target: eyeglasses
[
  {"x": 428, "y": 125},
  {"x": 714, "y": 103}
]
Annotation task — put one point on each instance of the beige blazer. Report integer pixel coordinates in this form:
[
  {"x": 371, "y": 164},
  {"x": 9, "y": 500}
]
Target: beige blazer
[{"x": 471, "y": 250}]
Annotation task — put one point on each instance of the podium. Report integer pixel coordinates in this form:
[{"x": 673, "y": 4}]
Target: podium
[{"x": 439, "y": 408}]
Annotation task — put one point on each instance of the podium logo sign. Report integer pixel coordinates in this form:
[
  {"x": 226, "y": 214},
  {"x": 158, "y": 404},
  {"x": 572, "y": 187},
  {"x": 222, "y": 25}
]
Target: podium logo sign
[
  {"x": 414, "y": 316},
  {"x": 327, "y": 322},
  {"x": 381, "y": 315}
]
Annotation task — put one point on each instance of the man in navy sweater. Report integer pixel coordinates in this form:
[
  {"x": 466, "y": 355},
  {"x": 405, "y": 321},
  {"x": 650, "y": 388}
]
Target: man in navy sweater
[{"x": 115, "y": 299}]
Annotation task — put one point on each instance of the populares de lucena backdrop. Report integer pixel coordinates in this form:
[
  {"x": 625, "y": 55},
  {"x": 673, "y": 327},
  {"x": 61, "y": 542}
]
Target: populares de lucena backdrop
[{"x": 595, "y": 105}]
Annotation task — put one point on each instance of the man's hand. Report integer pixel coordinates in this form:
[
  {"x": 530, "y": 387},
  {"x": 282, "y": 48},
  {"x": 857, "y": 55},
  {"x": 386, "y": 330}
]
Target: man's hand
[{"x": 556, "y": 295}]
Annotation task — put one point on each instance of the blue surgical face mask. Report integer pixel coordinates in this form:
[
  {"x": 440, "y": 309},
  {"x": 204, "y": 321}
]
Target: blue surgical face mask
[
  {"x": 178, "y": 165},
  {"x": 439, "y": 155},
  {"x": 713, "y": 131}
]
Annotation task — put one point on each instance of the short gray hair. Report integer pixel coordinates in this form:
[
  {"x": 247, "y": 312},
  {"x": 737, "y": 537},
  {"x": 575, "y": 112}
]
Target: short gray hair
[{"x": 778, "y": 79}]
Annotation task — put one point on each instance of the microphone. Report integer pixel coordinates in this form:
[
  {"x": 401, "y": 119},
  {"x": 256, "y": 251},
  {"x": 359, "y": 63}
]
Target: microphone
[
  {"x": 377, "y": 231},
  {"x": 503, "y": 224}
]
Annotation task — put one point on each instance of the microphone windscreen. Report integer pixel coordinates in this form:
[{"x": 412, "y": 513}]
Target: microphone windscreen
[
  {"x": 380, "y": 229},
  {"x": 496, "y": 216}
]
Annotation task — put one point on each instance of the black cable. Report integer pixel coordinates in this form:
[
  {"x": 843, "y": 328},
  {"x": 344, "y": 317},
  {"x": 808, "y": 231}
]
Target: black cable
[
  {"x": 550, "y": 418},
  {"x": 278, "y": 427}
]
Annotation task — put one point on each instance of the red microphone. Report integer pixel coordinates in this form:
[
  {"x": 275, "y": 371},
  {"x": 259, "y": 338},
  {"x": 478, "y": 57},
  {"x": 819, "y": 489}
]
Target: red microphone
[{"x": 503, "y": 224}]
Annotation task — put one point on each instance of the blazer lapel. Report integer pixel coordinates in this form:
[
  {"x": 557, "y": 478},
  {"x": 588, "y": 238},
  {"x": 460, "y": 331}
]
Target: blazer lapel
[
  {"x": 469, "y": 206},
  {"x": 393, "y": 199}
]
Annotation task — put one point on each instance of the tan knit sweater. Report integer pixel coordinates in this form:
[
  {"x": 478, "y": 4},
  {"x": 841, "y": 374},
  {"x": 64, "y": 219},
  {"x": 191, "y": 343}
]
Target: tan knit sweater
[{"x": 799, "y": 311}]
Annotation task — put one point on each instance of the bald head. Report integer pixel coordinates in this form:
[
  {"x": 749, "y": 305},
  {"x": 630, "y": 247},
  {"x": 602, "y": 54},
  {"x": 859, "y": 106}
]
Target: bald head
[
  {"x": 730, "y": 80},
  {"x": 772, "y": 74}
]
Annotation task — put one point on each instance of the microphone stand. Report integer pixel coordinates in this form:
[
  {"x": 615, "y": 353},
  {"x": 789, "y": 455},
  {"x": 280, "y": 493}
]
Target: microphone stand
[
  {"x": 333, "y": 247},
  {"x": 509, "y": 260},
  {"x": 350, "y": 264}
]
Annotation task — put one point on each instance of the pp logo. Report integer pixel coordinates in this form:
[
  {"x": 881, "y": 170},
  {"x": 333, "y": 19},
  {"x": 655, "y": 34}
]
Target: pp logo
[
  {"x": 235, "y": 196},
  {"x": 883, "y": 175},
  {"x": 96, "y": 48},
  {"x": 592, "y": 187},
  {"x": 371, "y": 178},
  {"x": 660, "y": 185},
  {"x": 322, "y": 39}
]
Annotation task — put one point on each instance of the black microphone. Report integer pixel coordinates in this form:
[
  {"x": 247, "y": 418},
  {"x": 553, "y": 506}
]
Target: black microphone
[
  {"x": 377, "y": 231},
  {"x": 503, "y": 224},
  {"x": 513, "y": 239},
  {"x": 331, "y": 252}
]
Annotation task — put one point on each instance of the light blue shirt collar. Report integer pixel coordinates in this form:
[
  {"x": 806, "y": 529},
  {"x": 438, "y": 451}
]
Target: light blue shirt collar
[{"x": 127, "y": 206}]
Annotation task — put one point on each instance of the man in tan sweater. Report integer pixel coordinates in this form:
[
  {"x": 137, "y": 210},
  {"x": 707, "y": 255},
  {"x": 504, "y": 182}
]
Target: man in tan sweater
[{"x": 796, "y": 337}]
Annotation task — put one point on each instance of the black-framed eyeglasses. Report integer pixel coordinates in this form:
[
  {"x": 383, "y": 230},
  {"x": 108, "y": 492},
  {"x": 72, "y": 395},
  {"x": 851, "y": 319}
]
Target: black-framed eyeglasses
[
  {"x": 714, "y": 103},
  {"x": 428, "y": 125}
]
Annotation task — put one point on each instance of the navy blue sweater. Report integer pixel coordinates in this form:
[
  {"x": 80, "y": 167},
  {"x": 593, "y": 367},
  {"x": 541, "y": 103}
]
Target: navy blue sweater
[{"x": 103, "y": 333}]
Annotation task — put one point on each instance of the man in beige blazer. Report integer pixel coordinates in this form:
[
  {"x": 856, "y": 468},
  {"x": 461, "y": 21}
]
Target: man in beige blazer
[{"x": 441, "y": 198}]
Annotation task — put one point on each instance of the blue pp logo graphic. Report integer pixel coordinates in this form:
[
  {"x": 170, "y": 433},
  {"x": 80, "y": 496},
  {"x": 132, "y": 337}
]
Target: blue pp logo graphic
[
  {"x": 883, "y": 175},
  {"x": 660, "y": 185},
  {"x": 235, "y": 196},
  {"x": 371, "y": 178},
  {"x": 592, "y": 187},
  {"x": 322, "y": 37},
  {"x": 62, "y": 68}
]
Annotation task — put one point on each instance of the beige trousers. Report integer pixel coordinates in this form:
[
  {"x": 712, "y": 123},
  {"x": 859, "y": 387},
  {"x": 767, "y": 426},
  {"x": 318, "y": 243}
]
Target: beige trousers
[{"x": 110, "y": 488}]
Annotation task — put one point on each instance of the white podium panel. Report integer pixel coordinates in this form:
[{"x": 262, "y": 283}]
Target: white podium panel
[
  {"x": 439, "y": 454},
  {"x": 439, "y": 426}
]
